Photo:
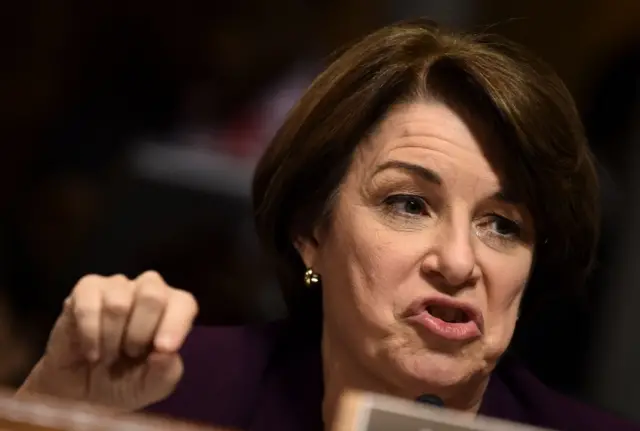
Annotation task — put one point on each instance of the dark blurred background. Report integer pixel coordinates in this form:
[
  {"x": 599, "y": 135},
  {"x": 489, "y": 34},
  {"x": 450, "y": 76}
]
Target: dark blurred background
[{"x": 130, "y": 129}]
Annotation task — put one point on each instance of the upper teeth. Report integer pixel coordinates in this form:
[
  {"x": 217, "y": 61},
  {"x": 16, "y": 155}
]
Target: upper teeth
[{"x": 448, "y": 314}]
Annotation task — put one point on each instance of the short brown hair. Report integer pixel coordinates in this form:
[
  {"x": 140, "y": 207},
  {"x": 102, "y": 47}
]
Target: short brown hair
[{"x": 497, "y": 82}]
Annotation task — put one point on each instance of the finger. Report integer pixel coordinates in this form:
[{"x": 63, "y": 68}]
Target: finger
[
  {"x": 117, "y": 301},
  {"x": 84, "y": 305},
  {"x": 64, "y": 341},
  {"x": 176, "y": 322},
  {"x": 150, "y": 276},
  {"x": 162, "y": 374},
  {"x": 150, "y": 300}
]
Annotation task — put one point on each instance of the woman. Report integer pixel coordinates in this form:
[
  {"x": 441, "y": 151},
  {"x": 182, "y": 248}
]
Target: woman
[{"x": 424, "y": 182}]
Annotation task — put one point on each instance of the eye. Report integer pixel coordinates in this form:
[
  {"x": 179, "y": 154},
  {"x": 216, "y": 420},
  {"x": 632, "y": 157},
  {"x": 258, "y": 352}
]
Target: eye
[
  {"x": 407, "y": 205},
  {"x": 504, "y": 227}
]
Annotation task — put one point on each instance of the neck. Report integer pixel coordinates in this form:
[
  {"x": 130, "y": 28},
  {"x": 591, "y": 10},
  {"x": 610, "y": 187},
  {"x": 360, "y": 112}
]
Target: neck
[{"x": 342, "y": 372}]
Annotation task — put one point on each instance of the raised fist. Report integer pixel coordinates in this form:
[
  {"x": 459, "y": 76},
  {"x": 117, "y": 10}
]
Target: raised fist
[{"x": 116, "y": 342}]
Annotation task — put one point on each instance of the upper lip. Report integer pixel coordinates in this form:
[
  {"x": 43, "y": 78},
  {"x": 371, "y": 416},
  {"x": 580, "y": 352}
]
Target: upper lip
[{"x": 470, "y": 310}]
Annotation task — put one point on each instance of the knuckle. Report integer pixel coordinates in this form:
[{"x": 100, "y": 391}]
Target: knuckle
[
  {"x": 90, "y": 278},
  {"x": 187, "y": 299},
  {"x": 85, "y": 313},
  {"x": 152, "y": 294},
  {"x": 88, "y": 281},
  {"x": 91, "y": 282},
  {"x": 151, "y": 276},
  {"x": 120, "y": 278},
  {"x": 117, "y": 304}
]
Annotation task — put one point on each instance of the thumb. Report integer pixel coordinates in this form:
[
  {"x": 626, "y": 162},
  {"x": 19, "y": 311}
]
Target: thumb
[{"x": 162, "y": 375}]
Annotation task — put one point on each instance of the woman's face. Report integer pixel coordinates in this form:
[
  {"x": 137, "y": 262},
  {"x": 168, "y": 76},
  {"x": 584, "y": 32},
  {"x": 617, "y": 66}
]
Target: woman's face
[{"x": 426, "y": 257}]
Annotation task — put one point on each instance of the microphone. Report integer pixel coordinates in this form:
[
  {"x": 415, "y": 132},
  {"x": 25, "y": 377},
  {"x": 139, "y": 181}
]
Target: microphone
[{"x": 430, "y": 399}]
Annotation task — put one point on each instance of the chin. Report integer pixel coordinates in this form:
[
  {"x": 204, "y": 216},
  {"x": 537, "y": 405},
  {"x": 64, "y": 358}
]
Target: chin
[{"x": 435, "y": 371}]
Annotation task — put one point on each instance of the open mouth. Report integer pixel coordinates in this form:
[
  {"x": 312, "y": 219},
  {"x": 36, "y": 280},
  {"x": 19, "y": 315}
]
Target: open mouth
[
  {"x": 448, "y": 314},
  {"x": 447, "y": 317}
]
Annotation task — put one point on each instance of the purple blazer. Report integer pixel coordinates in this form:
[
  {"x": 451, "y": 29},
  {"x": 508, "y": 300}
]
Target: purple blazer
[{"x": 269, "y": 378}]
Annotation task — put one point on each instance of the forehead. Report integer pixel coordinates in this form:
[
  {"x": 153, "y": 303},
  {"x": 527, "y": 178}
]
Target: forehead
[{"x": 433, "y": 135}]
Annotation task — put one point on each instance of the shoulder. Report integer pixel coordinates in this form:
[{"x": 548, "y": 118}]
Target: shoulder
[
  {"x": 223, "y": 368},
  {"x": 516, "y": 394}
]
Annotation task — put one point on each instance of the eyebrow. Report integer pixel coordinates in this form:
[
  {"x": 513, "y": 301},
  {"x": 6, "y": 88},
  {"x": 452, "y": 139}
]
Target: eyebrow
[
  {"x": 421, "y": 171},
  {"x": 433, "y": 177},
  {"x": 502, "y": 196}
]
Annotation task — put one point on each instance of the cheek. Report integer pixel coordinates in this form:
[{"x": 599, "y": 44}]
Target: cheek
[{"x": 365, "y": 267}]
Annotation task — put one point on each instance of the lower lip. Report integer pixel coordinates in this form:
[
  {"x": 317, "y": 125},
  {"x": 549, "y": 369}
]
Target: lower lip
[{"x": 451, "y": 331}]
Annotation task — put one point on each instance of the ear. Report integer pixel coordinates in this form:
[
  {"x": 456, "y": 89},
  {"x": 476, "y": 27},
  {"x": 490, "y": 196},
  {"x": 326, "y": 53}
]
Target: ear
[{"x": 308, "y": 247}]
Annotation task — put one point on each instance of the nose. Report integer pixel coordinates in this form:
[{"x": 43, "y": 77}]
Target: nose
[{"x": 451, "y": 256}]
